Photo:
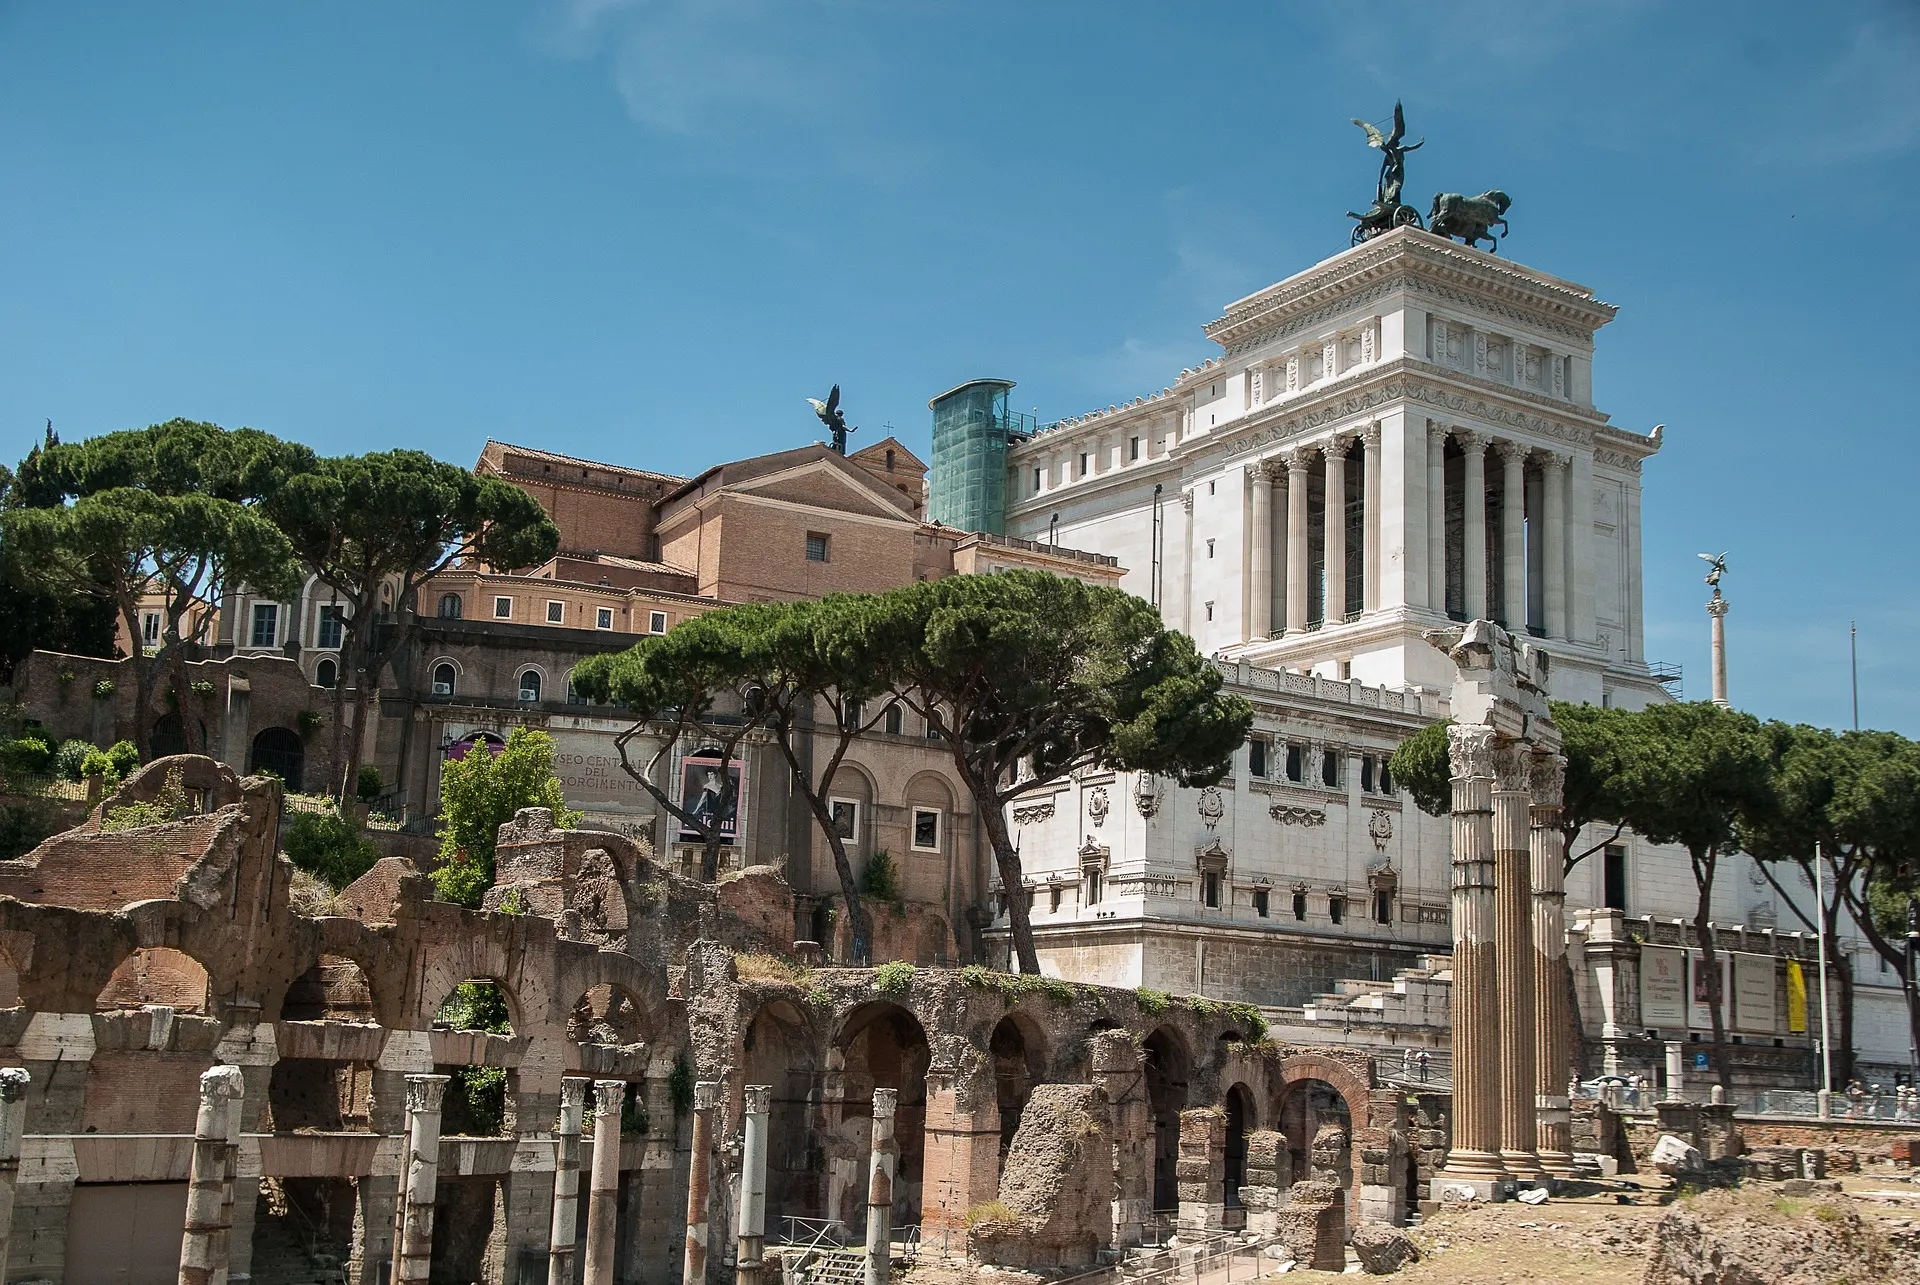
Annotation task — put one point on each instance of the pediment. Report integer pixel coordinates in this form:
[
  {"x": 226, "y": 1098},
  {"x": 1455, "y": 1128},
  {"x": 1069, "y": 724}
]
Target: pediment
[{"x": 823, "y": 484}]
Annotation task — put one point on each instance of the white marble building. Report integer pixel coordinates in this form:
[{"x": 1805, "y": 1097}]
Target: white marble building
[{"x": 1447, "y": 395}]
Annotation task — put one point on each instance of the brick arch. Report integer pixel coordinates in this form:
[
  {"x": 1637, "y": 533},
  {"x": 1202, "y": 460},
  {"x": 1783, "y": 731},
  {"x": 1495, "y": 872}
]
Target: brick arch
[{"x": 1352, "y": 1089}]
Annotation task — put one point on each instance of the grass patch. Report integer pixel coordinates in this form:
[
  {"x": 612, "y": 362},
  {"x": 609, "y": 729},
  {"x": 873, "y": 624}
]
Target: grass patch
[
  {"x": 990, "y": 1212},
  {"x": 1014, "y": 987},
  {"x": 771, "y": 968},
  {"x": 1153, "y": 1003}
]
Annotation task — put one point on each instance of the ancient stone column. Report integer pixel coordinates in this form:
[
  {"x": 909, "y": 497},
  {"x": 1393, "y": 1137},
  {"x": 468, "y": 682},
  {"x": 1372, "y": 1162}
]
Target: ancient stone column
[
  {"x": 1437, "y": 517},
  {"x": 603, "y": 1185},
  {"x": 413, "y": 1248},
  {"x": 1475, "y": 1155},
  {"x": 204, "y": 1242},
  {"x": 1117, "y": 1071},
  {"x": 1259, "y": 557},
  {"x": 1717, "y": 608},
  {"x": 1513, "y": 952},
  {"x": 1553, "y": 547},
  {"x": 563, "y": 1245},
  {"x": 1333, "y": 595},
  {"x": 1473, "y": 567},
  {"x": 13, "y": 1123},
  {"x": 1202, "y": 1171},
  {"x": 881, "y": 1164},
  {"x": 1553, "y": 1035},
  {"x": 1370, "y": 518},
  {"x": 753, "y": 1185},
  {"x": 1297, "y": 463},
  {"x": 1513, "y": 535}
]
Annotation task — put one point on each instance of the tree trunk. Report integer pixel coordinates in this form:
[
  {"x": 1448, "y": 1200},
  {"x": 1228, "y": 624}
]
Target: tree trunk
[
  {"x": 1843, "y": 974},
  {"x": 191, "y": 730},
  {"x": 859, "y": 922},
  {"x": 1012, "y": 879},
  {"x": 142, "y": 682},
  {"x": 1704, "y": 864}
]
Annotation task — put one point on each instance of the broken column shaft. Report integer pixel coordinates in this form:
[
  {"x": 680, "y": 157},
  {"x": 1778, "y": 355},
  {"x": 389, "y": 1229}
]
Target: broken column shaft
[
  {"x": 13, "y": 1123},
  {"x": 1553, "y": 1036},
  {"x": 1513, "y": 953},
  {"x": 413, "y": 1248},
  {"x": 603, "y": 1188},
  {"x": 880, "y": 1173},
  {"x": 563, "y": 1243},
  {"x": 699, "y": 1182},
  {"x": 753, "y": 1185},
  {"x": 204, "y": 1242},
  {"x": 1475, "y": 1153}
]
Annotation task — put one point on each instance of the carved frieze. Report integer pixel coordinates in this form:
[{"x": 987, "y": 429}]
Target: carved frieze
[
  {"x": 1293, "y": 814},
  {"x": 1033, "y": 813}
]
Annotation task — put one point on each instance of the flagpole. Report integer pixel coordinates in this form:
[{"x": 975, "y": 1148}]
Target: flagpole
[{"x": 1825, "y": 1094}]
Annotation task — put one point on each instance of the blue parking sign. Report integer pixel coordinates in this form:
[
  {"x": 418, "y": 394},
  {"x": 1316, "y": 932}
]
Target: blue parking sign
[{"x": 1699, "y": 1061}]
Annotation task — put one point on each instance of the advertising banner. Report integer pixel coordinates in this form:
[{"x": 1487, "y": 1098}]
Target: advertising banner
[
  {"x": 1796, "y": 999},
  {"x": 1663, "y": 999},
  {"x": 1699, "y": 1016},
  {"x": 1753, "y": 993},
  {"x": 702, "y": 788}
]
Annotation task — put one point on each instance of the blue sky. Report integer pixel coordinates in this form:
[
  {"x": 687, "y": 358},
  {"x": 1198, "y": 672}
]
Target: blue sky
[{"x": 643, "y": 231}]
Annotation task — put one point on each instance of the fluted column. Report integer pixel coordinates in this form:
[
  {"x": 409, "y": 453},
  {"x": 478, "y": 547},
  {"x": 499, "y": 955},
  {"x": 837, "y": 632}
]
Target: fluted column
[
  {"x": 1513, "y": 951},
  {"x": 205, "y": 1239},
  {"x": 1437, "y": 517},
  {"x": 1553, "y": 1038},
  {"x": 13, "y": 1123},
  {"x": 1298, "y": 460},
  {"x": 1370, "y": 518},
  {"x": 1553, "y": 547},
  {"x": 564, "y": 1242},
  {"x": 1259, "y": 557},
  {"x": 880, "y": 1174},
  {"x": 413, "y": 1249},
  {"x": 751, "y": 1250},
  {"x": 1333, "y": 594},
  {"x": 1473, "y": 568},
  {"x": 1513, "y": 536},
  {"x": 1476, "y": 1019},
  {"x": 603, "y": 1184},
  {"x": 699, "y": 1183}
]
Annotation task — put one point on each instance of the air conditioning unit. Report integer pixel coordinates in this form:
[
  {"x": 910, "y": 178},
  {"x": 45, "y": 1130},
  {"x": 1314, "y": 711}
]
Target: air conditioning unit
[{"x": 443, "y": 689}]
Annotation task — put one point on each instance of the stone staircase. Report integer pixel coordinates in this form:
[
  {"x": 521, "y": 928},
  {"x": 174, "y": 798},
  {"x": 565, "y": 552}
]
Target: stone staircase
[
  {"x": 838, "y": 1267},
  {"x": 1417, "y": 996},
  {"x": 280, "y": 1255}
]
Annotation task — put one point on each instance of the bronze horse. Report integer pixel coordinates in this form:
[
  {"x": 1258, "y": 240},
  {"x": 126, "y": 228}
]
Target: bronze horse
[{"x": 1471, "y": 218}]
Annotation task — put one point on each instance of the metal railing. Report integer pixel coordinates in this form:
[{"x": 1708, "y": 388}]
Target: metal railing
[
  {"x": 816, "y": 1233},
  {"x": 1884, "y": 1107},
  {"x": 1214, "y": 1260}
]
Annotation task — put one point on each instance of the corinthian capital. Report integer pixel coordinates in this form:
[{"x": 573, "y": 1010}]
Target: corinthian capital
[
  {"x": 1512, "y": 765},
  {"x": 1470, "y": 750},
  {"x": 1552, "y": 461},
  {"x": 1513, "y": 452},
  {"x": 1299, "y": 459},
  {"x": 1549, "y": 780},
  {"x": 1471, "y": 442},
  {"x": 424, "y": 1092},
  {"x": 1370, "y": 436}
]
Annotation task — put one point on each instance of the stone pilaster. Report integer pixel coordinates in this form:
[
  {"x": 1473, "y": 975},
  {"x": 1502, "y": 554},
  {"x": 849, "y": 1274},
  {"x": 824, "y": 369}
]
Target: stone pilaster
[
  {"x": 1202, "y": 1171},
  {"x": 1437, "y": 517},
  {"x": 206, "y": 1240},
  {"x": 1475, "y": 1154},
  {"x": 13, "y": 1123},
  {"x": 1259, "y": 555},
  {"x": 413, "y": 1249},
  {"x": 883, "y": 1159},
  {"x": 1473, "y": 566},
  {"x": 1553, "y": 544},
  {"x": 758, "y": 1099},
  {"x": 962, "y": 1157},
  {"x": 1333, "y": 597},
  {"x": 1269, "y": 1174},
  {"x": 1370, "y": 515},
  {"x": 1513, "y": 535},
  {"x": 1513, "y": 950},
  {"x": 563, "y": 1244},
  {"x": 1298, "y": 461},
  {"x": 1117, "y": 1072},
  {"x": 1553, "y": 1037}
]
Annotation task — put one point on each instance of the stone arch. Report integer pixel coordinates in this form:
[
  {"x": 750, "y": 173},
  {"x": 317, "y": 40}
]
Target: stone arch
[
  {"x": 157, "y": 975},
  {"x": 490, "y": 1002},
  {"x": 278, "y": 750},
  {"x": 1321, "y": 1107},
  {"x": 169, "y": 736},
  {"x": 529, "y": 691},
  {"x": 609, "y": 1013},
  {"x": 1017, "y": 1048},
  {"x": 879, "y": 1045},
  {"x": 1168, "y": 1067},
  {"x": 1242, "y": 1119},
  {"x": 334, "y": 989},
  {"x": 443, "y": 675},
  {"x": 781, "y": 1049}
]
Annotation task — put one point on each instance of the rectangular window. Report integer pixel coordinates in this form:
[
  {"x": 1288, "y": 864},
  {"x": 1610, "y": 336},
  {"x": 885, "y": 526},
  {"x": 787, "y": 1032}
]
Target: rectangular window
[
  {"x": 556, "y": 613},
  {"x": 1366, "y": 774},
  {"x": 1300, "y": 905},
  {"x": 1083, "y": 463},
  {"x": 1133, "y": 449},
  {"x": 893, "y": 720},
  {"x": 1296, "y": 766},
  {"x": 1039, "y": 480},
  {"x": 852, "y": 714},
  {"x": 503, "y": 609},
  {"x": 1615, "y": 893},
  {"x": 926, "y": 830},
  {"x": 266, "y": 623},
  {"x": 150, "y": 629},
  {"x": 333, "y": 626},
  {"x": 1337, "y": 909},
  {"x": 816, "y": 547},
  {"x": 1093, "y": 888},
  {"x": 1260, "y": 902},
  {"x": 846, "y": 818},
  {"x": 1053, "y": 898},
  {"x": 656, "y": 622},
  {"x": 1257, "y": 757},
  {"x": 1210, "y": 889},
  {"x": 603, "y": 618},
  {"x": 1386, "y": 778},
  {"x": 1330, "y": 769},
  {"x": 933, "y": 726},
  {"x": 1383, "y": 907}
]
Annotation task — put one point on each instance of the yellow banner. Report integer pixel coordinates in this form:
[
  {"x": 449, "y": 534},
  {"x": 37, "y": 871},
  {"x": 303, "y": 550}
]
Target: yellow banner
[{"x": 1796, "y": 998}]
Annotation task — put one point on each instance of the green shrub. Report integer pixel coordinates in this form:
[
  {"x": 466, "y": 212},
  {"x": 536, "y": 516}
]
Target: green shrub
[
  {"x": 111, "y": 764},
  {"x": 201, "y": 687},
  {"x": 1153, "y": 1003},
  {"x": 1017, "y": 986},
  {"x": 125, "y": 756},
  {"x": 367, "y": 783},
  {"x": 308, "y": 722},
  {"x": 895, "y": 978},
  {"x": 103, "y": 690},
  {"x": 70, "y": 759},
  {"x": 462, "y": 881},
  {"x": 880, "y": 880},
  {"x": 479, "y": 794},
  {"x": 28, "y": 756},
  {"x": 327, "y": 845},
  {"x": 169, "y": 805},
  {"x": 24, "y": 826}
]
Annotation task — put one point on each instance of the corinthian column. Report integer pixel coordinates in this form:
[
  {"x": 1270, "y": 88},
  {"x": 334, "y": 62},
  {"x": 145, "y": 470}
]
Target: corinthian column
[
  {"x": 1370, "y": 518},
  {"x": 1475, "y": 1154},
  {"x": 1553, "y": 549},
  {"x": 1333, "y": 594},
  {"x": 603, "y": 1183},
  {"x": 1513, "y": 949},
  {"x": 880, "y": 1175},
  {"x": 413, "y": 1251},
  {"x": 1298, "y": 461},
  {"x": 1437, "y": 517},
  {"x": 1473, "y": 568},
  {"x": 750, "y": 1254},
  {"x": 563, "y": 1243},
  {"x": 1513, "y": 536},
  {"x": 205, "y": 1239},
  {"x": 1553, "y": 1035},
  {"x": 1259, "y": 555}
]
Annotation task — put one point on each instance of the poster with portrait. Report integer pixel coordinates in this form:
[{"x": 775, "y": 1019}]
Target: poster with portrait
[
  {"x": 712, "y": 791},
  {"x": 1699, "y": 1015}
]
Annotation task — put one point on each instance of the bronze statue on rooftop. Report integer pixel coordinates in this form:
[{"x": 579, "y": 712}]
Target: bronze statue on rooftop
[
  {"x": 1387, "y": 212},
  {"x": 1471, "y": 218},
  {"x": 833, "y": 417}
]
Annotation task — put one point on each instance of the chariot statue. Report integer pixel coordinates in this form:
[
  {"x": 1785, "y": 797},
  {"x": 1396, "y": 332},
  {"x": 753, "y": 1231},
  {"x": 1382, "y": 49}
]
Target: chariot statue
[
  {"x": 1387, "y": 212},
  {"x": 1471, "y": 218}
]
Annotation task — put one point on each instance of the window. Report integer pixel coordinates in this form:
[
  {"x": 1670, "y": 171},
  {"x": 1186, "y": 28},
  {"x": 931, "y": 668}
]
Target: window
[
  {"x": 1133, "y": 449},
  {"x": 150, "y": 629},
  {"x": 556, "y": 613},
  {"x": 889, "y": 461},
  {"x": 1209, "y": 611},
  {"x": 893, "y": 720},
  {"x": 1296, "y": 764},
  {"x": 1366, "y": 774},
  {"x": 530, "y": 685},
  {"x": 1386, "y": 778},
  {"x": 449, "y": 606},
  {"x": 326, "y": 674},
  {"x": 503, "y": 609},
  {"x": 1257, "y": 757},
  {"x": 846, "y": 818},
  {"x": 852, "y": 714},
  {"x": 1210, "y": 889},
  {"x": 331, "y": 627},
  {"x": 1615, "y": 877},
  {"x": 933, "y": 725},
  {"x": 1210, "y": 488},
  {"x": 1346, "y": 671},
  {"x": 1337, "y": 909},
  {"x": 656, "y": 622},
  {"x": 1093, "y": 887},
  {"x": 1209, "y": 548},
  {"x": 266, "y": 623},
  {"x": 574, "y": 695},
  {"x": 1039, "y": 480},
  {"x": 1260, "y": 902},
  {"x": 443, "y": 679},
  {"x": 816, "y": 547},
  {"x": 1053, "y": 899},
  {"x": 603, "y": 617},
  {"x": 1330, "y": 769},
  {"x": 1300, "y": 905},
  {"x": 1382, "y": 907},
  {"x": 926, "y": 830}
]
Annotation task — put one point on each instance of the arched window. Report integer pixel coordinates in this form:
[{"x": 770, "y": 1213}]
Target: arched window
[
  {"x": 443, "y": 679},
  {"x": 326, "y": 673},
  {"x": 574, "y": 695},
  {"x": 529, "y": 684},
  {"x": 449, "y": 606}
]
